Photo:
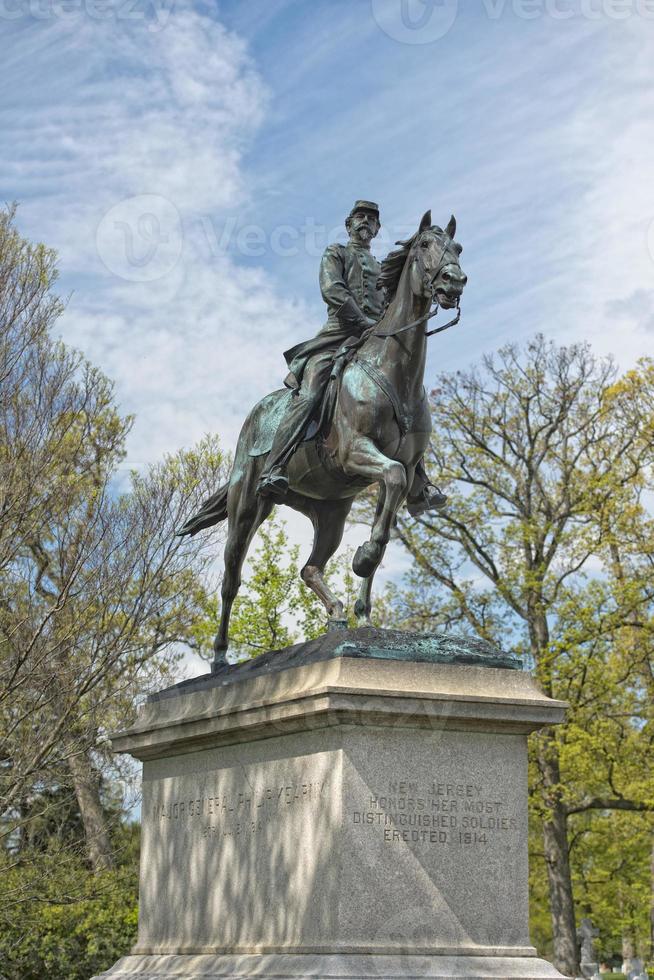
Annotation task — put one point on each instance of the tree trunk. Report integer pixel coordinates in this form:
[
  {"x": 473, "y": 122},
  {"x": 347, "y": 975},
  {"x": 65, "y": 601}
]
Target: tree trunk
[
  {"x": 87, "y": 791},
  {"x": 557, "y": 859},
  {"x": 555, "y": 826},
  {"x": 651, "y": 903}
]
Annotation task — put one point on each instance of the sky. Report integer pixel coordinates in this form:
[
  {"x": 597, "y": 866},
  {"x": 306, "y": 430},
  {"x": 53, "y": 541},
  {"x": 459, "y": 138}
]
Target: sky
[{"x": 190, "y": 162}]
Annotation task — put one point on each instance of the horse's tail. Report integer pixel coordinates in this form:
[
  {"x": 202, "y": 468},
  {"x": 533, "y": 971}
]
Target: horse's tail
[
  {"x": 255, "y": 441},
  {"x": 213, "y": 511}
]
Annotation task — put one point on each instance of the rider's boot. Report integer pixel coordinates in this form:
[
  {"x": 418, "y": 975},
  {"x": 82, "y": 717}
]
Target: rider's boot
[
  {"x": 423, "y": 495},
  {"x": 303, "y": 407},
  {"x": 274, "y": 482},
  {"x": 430, "y": 498}
]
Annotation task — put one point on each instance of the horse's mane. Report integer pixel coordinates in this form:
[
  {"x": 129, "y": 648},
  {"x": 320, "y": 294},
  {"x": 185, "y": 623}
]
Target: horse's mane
[{"x": 393, "y": 264}]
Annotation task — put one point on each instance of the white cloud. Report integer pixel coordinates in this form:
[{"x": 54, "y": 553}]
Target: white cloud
[
  {"x": 144, "y": 145},
  {"x": 118, "y": 167},
  {"x": 610, "y": 233}
]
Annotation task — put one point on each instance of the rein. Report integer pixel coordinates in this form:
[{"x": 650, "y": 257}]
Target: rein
[{"x": 423, "y": 319}]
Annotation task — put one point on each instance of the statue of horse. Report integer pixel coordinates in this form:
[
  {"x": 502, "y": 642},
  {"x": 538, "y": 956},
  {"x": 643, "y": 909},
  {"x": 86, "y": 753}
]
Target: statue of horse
[{"x": 379, "y": 430}]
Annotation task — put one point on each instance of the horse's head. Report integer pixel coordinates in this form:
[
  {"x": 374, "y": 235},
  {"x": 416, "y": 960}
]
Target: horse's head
[{"x": 433, "y": 260}]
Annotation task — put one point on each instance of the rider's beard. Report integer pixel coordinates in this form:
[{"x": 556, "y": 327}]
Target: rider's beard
[{"x": 363, "y": 232}]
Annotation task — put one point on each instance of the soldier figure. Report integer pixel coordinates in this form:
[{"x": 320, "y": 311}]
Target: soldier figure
[{"x": 348, "y": 283}]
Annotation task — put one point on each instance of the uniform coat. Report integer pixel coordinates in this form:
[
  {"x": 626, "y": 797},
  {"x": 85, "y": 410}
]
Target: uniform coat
[{"x": 346, "y": 272}]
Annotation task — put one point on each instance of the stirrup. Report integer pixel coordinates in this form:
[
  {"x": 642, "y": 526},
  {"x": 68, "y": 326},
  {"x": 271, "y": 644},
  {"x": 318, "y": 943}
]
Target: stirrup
[
  {"x": 273, "y": 485},
  {"x": 431, "y": 498}
]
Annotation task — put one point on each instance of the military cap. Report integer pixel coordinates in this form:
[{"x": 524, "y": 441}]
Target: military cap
[{"x": 369, "y": 206}]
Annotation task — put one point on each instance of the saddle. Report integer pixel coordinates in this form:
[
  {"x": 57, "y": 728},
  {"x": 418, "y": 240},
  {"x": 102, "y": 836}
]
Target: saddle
[
  {"x": 276, "y": 403},
  {"x": 345, "y": 354}
]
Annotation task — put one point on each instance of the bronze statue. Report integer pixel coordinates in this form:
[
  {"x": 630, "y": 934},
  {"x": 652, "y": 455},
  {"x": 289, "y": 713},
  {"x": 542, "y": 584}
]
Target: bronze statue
[
  {"x": 315, "y": 450},
  {"x": 349, "y": 283}
]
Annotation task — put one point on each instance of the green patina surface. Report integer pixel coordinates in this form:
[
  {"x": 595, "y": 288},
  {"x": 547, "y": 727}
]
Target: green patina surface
[
  {"x": 433, "y": 649},
  {"x": 270, "y": 412},
  {"x": 365, "y": 643}
]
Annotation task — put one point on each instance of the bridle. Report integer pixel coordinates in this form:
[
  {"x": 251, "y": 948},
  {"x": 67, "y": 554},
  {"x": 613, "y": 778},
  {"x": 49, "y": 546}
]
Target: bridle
[{"x": 428, "y": 282}]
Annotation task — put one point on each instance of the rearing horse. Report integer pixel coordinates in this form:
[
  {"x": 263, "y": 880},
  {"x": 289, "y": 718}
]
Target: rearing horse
[{"x": 379, "y": 431}]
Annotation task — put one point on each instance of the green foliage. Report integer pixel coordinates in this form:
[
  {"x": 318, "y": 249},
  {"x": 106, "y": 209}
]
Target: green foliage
[
  {"x": 274, "y": 607},
  {"x": 61, "y": 921},
  {"x": 271, "y": 600},
  {"x": 611, "y": 866}
]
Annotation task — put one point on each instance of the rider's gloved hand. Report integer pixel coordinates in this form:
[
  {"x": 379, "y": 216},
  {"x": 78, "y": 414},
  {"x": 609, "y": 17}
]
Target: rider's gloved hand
[{"x": 353, "y": 318}]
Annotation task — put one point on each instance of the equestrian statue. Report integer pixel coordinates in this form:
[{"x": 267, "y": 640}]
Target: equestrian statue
[{"x": 353, "y": 412}]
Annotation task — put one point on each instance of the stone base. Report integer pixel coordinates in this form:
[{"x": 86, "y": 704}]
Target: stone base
[
  {"x": 359, "y": 815},
  {"x": 323, "y": 966}
]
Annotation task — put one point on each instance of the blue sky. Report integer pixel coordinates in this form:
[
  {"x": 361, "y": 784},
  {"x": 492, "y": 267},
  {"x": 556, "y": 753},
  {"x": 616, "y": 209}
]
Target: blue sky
[{"x": 190, "y": 161}]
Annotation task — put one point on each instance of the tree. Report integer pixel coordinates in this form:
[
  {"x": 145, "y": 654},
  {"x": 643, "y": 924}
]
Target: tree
[
  {"x": 101, "y": 618},
  {"x": 546, "y": 457},
  {"x": 274, "y": 608},
  {"x": 96, "y": 591},
  {"x": 82, "y": 922}
]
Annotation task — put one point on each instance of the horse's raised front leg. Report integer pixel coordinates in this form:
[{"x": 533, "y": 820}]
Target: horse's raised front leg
[
  {"x": 365, "y": 459},
  {"x": 363, "y": 605}
]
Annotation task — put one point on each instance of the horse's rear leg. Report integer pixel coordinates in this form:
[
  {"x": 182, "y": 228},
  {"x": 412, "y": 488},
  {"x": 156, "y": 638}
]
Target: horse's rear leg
[
  {"x": 328, "y": 518},
  {"x": 246, "y": 512},
  {"x": 365, "y": 459}
]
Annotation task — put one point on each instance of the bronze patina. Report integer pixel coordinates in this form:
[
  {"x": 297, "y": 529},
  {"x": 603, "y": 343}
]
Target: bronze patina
[
  {"x": 315, "y": 453},
  {"x": 348, "y": 283}
]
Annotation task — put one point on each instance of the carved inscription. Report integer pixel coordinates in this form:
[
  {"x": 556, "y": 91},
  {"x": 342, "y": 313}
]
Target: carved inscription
[
  {"x": 229, "y": 814},
  {"x": 437, "y": 813}
]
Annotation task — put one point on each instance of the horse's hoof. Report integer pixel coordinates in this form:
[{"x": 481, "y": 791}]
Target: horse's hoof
[
  {"x": 334, "y": 625},
  {"x": 362, "y": 613},
  {"x": 366, "y": 559},
  {"x": 219, "y": 655}
]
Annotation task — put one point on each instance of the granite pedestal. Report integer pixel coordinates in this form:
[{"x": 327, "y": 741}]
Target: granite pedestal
[{"x": 352, "y": 809}]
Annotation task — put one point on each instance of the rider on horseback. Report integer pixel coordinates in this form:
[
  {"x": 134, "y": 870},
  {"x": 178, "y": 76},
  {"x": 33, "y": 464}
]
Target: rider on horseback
[{"x": 348, "y": 283}]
